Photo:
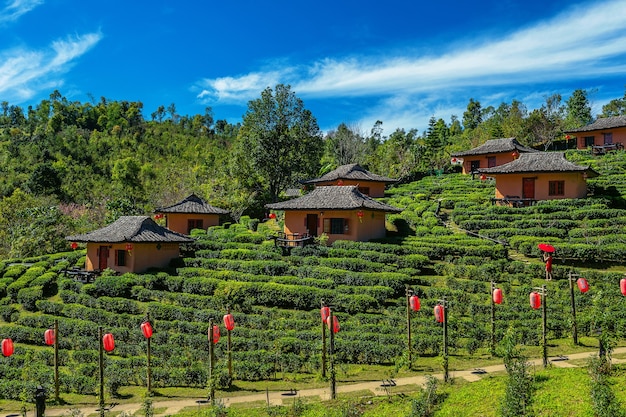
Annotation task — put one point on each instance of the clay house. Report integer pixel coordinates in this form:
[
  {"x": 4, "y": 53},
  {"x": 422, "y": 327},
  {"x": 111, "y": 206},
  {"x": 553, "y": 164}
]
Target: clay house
[
  {"x": 605, "y": 134},
  {"x": 190, "y": 213},
  {"x": 130, "y": 244},
  {"x": 369, "y": 184},
  {"x": 343, "y": 213},
  {"x": 492, "y": 153},
  {"x": 538, "y": 176}
]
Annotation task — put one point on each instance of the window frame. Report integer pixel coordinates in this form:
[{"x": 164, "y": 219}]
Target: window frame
[{"x": 556, "y": 188}]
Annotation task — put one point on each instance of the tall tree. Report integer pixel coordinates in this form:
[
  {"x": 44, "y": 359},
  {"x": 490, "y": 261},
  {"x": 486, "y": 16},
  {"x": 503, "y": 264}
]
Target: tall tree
[
  {"x": 345, "y": 145},
  {"x": 546, "y": 123},
  {"x": 578, "y": 110},
  {"x": 472, "y": 117},
  {"x": 616, "y": 107},
  {"x": 282, "y": 139}
]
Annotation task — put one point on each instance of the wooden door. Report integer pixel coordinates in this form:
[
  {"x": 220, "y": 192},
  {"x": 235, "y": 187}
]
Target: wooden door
[
  {"x": 528, "y": 188},
  {"x": 311, "y": 224},
  {"x": 103, "y": 258}
]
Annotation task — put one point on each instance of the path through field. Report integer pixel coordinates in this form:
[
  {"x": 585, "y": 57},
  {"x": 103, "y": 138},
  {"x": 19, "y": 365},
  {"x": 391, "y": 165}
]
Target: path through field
[{"x": 172, "y": 407}]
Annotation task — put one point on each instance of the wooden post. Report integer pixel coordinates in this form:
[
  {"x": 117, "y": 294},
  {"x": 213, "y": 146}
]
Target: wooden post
[
  {"x": 56, "y": 361},
  {"x": 333, "y": 385},
  {"x": 408, "y": 324},
  {"x": 323, "y": 344},
  {"x": 544, "y": 317},
  {"x": 230, "y": 355},
  {"x": 101, "y": 355},
  {"x": 493, "y": 320},
  {"x": 573, "y": 301},
  {"x": 445, "y": 340},
  {"x": 211, "y": 386},
  {"x": 149, "y": 374}
]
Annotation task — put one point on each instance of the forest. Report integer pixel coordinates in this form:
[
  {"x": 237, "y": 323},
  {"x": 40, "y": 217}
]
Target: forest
[{"x": 69, "y": 167}]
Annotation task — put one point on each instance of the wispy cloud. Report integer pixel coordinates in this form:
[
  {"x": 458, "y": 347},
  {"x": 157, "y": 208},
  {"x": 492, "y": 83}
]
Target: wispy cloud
[
  {"x": 25, "y": 72},
  {"x": 580, "y": 43},
  {"x": 12, "y": 10}
]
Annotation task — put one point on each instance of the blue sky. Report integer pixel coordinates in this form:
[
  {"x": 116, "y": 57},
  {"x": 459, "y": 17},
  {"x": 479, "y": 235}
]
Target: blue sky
[{"x": 350, "y": 61}]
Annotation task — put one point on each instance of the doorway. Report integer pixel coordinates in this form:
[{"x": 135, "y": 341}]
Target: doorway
[
  {"x": 311, "y": 224},
  {"x": 103, "y": 258},
  {"x": 528, "y": 188}
]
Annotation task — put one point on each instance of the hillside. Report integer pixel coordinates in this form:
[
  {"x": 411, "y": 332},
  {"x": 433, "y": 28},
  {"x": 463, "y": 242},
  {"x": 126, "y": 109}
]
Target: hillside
[{"x": 275, "y": 297}]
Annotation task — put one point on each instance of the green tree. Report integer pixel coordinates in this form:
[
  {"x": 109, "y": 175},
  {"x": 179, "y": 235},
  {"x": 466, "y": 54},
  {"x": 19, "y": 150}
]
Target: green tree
[
  {"x": 344, "y": 146},
  {"x": 616, "y": 107},
  {"x": 578, "y": 110},
  {"x": 472, "y": 117},
  {"x": 282, "y": 139},
  {"x": 546, "y": 123}
]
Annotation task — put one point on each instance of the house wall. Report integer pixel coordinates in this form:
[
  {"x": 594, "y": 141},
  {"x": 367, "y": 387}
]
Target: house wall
[
  {"x": 142, "y": 257},
  {"x": 177, "y": 222},
  {"x": 501, "y": 159},
  {"x": 511, "y": 185},
  {"x": 619, "y": 136},
  {"x": 370, "y": 226},
  {"x": 377, "y": 189}
]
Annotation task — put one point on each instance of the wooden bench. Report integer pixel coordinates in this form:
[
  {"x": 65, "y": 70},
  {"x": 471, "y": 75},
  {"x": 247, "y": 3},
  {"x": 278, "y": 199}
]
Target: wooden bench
[{"x": 602, "y": 149}]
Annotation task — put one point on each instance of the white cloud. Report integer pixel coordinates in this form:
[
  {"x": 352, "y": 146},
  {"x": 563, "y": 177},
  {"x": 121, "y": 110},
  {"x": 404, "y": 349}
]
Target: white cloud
[
  {"x": 13, "y": 10},
  {"x": 25, "y": 72}
]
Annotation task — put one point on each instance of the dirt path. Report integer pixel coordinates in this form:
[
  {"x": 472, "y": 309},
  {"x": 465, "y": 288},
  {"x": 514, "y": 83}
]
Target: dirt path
[{"x": 374, "y": 387}]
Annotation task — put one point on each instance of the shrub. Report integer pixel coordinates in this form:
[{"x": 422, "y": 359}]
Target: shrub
[{"x": 29, "y": 296}]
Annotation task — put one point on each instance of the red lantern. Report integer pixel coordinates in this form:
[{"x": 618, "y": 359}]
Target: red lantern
[
  {"x": 568, "y": 137},
  {"x": 453, "y": 160},
  {"x": 414, "y": 303},
  {"x": 439, "y": 313},
  {"x": 335, "y": 323},
  {"x": 622, "y": 286},
  {"x": 129, "y": 247},
  {"x": 48, "y": 337},
  {"x": 497, "y": 296},
  {"x": 146, "y": 329},
  {"x": 216, "y": 334},
  {"x": 583, "y": 285},
  {"x": 535, "y": 300},
  {"x": 483, "y": 177},
  {"x": 108, "y": 342},
  {"x": 229, "y": 322},
  {"x": 340, "y": 182},
  {"x": 515, "y": 154},
  {"x": 74, "y": 245},
  {"x": 324, "y": 312},
  {"x": 7, "y": 347},
  {"x": 272, "y": 216}
]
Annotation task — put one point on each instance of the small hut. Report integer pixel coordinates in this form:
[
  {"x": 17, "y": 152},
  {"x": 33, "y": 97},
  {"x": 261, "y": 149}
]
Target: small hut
[
  {"x": 605, "y": 134},
  {"x": 368, "y": 183},
  {"x": 191, "y": 213},
  {"x": 131, "y": 244},
  {"x": 492, "y": 153}
]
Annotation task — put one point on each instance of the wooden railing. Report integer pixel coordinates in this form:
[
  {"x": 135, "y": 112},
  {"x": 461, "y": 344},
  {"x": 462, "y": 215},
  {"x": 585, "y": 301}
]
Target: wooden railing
[{"x": 293, "y": 239}]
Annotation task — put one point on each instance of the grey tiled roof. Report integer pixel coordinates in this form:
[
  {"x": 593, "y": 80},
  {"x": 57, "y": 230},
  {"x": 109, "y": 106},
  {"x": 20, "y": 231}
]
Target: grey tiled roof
[
  {"x": 337, "y": 197},
  {"x": 132, "y": 229},
  {"x": 539, "y": 162},
  {"x": 496, "y": 146},
  {"x": 350, "y": 172},
  {"x": 601, "y": 124},
  {"x": 192, "y": 204}
]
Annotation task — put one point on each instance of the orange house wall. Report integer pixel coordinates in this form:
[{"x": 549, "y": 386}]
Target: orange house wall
[
  {"x": 142, "y": 257},
  {"x": 371, "y": 226},
  {"x": 511, "y": 185},
  {"x": 619, "y": 136},
  {"x": 501, "y": 159},
  {"x": 377, "y": 189},
  {"x": 177, "y": 222}
]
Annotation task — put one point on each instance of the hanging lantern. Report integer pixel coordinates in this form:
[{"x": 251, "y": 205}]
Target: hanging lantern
[
  {"x": 74, "y": 245},
  {"x": 146, "y": 329},
  {"x": 535, "y": 300},
  {"x": 568, "y": 137},
  {"x": 360, "y": 214},
  {"x": 108, "y": 342},
  {"x": 335, "y": 323},
  {"x": 622, "y": 286},
  {"x": 48, "y": 337},
  {"x": 229, "y": 322},
  {"x": 216, "y": 333},
  {"x": 340, "y": 182},
  {"x": 129, "y": 247},
  {"x": 324, "y": 312},
  {"x": 439, "y": 313},
  {"x": 453, "y": 160},
  {"x": 583, "y": 285},
  {"x": 414, "y": 303},
  {"x": 7, "y": 347},
  {"x": 497, "y": 296},
  {"x": 515, "y": 154},
  {"x": 272, "y": 216},
  {"x": 483, "y": 177}
]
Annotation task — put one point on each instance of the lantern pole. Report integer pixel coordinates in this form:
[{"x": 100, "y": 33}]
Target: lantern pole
[
  {"x": 56, "y": 361},
  {"x": 493, "y": 319},
  {"x": 444, "y": 304},
  {"x": 409, "y": 293},
  {"x": 571, "y": 277},
  {"x": 323, "y": 304},
  {"x": 544, "y": 324},
  {"x": 101, "y": 356},
  {"x": 148, "y": 352},
  {"x": 333, "y": 384},
  {"x": 230, "y": 357},
  {"x": 211, "y": 386}
]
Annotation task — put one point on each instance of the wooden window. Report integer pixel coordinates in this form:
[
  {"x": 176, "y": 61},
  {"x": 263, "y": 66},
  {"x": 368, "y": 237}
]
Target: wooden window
[
  {"x": 364, "y": 190},
  {"x": 491, "y": 161},
  {"x": 589, "y": 141},
  {"x": 335, "y": 226},
  {"x": 474, "y": 165},
  {"x": 556, "y": 188},
  {"x": 608, "y": 138},
  {"x": 194, "y": 224},
  {"x": 120, "y": 257}
]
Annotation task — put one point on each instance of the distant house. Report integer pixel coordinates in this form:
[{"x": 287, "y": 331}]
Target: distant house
[
  {"x": 492, "y": 153},
  {"x": 343, "y": 213},
  {"x": 607, "y": 133},
  {"x": 369, "y": 184},
  {"x": 191, "y": 213},
  {"x": 539, "y": 176},
  {"x": 130, "y": 244}
]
